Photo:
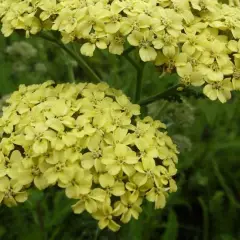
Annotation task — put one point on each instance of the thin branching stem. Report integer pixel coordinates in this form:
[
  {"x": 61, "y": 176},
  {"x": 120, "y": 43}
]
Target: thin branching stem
[
  {"x": 169, "y": 92},
  {"x": 40, "y": 217},
  {"x": 224, "y": 184},
  {"x": 96, "y": 235},
  {"x": 132, "y": 62},
  {"x": 205, "y": 219},
  {"x": 71, "y": 76},
  {"x": 82, "y": 63},
  {"x": 139, "y": 70},
  {"x": 128, "y": 50},
  {"x": 139, "y": 84}
]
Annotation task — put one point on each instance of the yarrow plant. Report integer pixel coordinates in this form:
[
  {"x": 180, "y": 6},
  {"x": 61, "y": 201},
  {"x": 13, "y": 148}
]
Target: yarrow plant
[
  {"x": 196, "y": 38},
  {"x": 89, "y": 140}
]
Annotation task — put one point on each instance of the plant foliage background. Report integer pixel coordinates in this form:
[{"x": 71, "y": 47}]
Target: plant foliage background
[{"x": 207, "y": 203}]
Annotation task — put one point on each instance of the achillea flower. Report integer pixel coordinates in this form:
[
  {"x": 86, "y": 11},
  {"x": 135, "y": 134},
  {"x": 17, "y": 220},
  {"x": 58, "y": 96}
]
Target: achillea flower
[
  {"x": 161, "y": 30},
  {"x": 53, "y": 135}
]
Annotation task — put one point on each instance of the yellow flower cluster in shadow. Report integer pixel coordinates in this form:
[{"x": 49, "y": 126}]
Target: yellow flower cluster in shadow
[
  {"x": 199, "y": 39},
  {"x": 89, "y": 140}
]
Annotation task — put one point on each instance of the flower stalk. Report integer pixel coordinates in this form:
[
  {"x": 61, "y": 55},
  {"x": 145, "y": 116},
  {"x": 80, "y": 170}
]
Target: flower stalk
[
  {"x": 81, "y": 62},
  {"x": 169, "y": 92},
  {"x": 139, "y": 83}
]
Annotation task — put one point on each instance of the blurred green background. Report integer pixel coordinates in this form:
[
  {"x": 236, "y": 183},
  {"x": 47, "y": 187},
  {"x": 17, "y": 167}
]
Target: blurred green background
[{"x": 206, "y": 205}]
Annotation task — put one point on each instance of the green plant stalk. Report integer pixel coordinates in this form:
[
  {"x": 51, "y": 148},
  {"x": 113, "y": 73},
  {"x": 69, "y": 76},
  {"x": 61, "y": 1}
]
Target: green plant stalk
[
  {"x": 71, "y": 76},
  {"x": 132, "y": 62},
  {"x": 205, "y": 219},
  {"x": 40, "y": 217},
  {"x": 88, "y": 70},
  {"x": 139, "y": 70},
  {"x": 96, "y": 235},
  {"x": 168, "y": 92},
  {"x": 224, "y": 185},
  {"x": 128, "y": 50},
  {"x": 139, "y": 82}
]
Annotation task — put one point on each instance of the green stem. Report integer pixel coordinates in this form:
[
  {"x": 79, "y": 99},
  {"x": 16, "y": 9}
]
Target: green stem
[
  {"x": 205, "y": 219},
  {"x": 96, "y": 233},
  {"x": 55, "y": 233},
  {"x": 40, "y": 217},
  {"x": 132, "y": 62},
  {"x": 161, "y": 95},
  {"x": 139, "y": 84},
  {"x": 128, "y": 50},
  {"x": 224, "y": 185},
  {"x": 91, "y": 74},
  {"x": 71, "y": 76},
  {"x": 139, "y": 74}
]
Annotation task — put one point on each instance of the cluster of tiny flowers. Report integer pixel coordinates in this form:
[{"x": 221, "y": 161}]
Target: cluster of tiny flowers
[
  {"x": 199, "y": 39},
  {"x": 88, "y": 140}
]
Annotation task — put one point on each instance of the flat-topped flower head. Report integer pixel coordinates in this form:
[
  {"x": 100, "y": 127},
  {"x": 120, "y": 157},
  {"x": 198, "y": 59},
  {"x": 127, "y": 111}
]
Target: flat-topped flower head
[{"x": 89, "y": 140}]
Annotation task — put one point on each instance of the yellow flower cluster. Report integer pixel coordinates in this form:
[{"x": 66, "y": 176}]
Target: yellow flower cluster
[
  {"x": 88, "y": 140},
  {"x": 197, "y": 38}
]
